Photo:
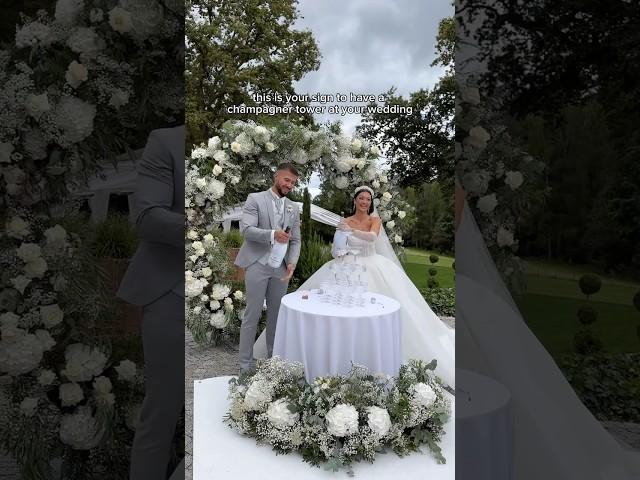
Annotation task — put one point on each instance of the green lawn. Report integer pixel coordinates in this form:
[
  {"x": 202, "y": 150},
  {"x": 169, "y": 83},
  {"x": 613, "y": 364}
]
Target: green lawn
[
  {"x": 415, "y": 265},
  {"x": 553, "y": 297}
]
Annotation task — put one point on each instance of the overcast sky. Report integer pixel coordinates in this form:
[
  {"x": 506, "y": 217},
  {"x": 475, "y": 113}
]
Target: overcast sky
[{"x": 369, "y": 46}]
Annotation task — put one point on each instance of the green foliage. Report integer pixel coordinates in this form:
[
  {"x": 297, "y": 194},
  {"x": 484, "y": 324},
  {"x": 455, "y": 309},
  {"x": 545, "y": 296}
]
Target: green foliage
[
  {"x": 432, "y": 282},
  {"x": 590, "y": 284},
  {"x": 114, "y": 238},
  {"x": 306, "y": 229},
  {"x": 313, "y": 255},
  {"x": 587, "y": 315},
  {"x": 232, "y": 239},
  {"x": 441, "y": 300},
  {"x": 586, "y": 343},
  {"x": 237, "y": 50},
  {"x": 608, "y": 385},
  {"x": 433, "y": 272}
]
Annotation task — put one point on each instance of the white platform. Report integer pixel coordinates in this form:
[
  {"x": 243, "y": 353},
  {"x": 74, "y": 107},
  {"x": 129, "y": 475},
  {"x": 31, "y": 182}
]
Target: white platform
[{"x": 220, "y": 453}]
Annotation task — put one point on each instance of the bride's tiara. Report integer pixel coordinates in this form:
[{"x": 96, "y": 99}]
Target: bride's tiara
[{"x": 365, "y": 188}]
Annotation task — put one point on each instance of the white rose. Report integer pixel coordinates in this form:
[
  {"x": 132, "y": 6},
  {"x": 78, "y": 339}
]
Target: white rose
[
  {"x": 269, "y": 147},
  {"x": 391, "y": 224},
  {"x": 6, "y": 149},
  {"x": 378, "y": 420},
  {"x": 398, "y": 239},
  {"x": 119, "y": 98},
  {"x": 214, "y": 305},
  {"x": 36, "y": 105},
  {"x": 514, "y": 180},
  {"x": 208, "y": 240},
  {"x": 423, "y": 395},
  {"x": 217, "y": 170},
  {"x": 17, "y": 228},
  {"x": 70, "y": 394},
  {"x": 238, "y": 295},
  {"x": 28, "y": 252},
  {"x": 96, "y": 15},
  {"x": 488, "y": 203},
  {"x": 20, "y": 283},
  {"x": 51, "y": 315},
  {"x": 236, "y": 147},
  {"x": 56, "y": 236},
  {"x": 341, "y": 182},
  {"x": 220, "y": 292},
  {"x": 192, "y": 235},
  {"x": 120, "y": 20},
  {"x": 76, "y": 74},
  {"x": 402, "y": 214},
  {"x": 471, "y": 95},
  {"x": 258, "y": 395},
  {"x": 218, "y": 320},
  {"x": 126, "y": 370},
  {"x": 374, "y": 150},
  {"x": 46, "y": 377},
  {"x": 342, "y": 420},
  {"x": 36, "y": 268},
  {"x": 504, "y": 237},
  {"x": 279, "y": 414},
  {"x": 387, "y": 196},
  {"x": 478, "y": 137},
  {"x": 375, "y": 184},
  {"x": 28, "y": 406}
]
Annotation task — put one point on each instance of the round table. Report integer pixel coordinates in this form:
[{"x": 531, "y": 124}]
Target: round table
[
  {"x": 327, "y": 338},
  {"x": 484, "y": 438}
]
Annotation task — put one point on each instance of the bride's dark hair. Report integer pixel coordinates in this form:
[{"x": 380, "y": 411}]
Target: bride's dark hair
[{"x": 353, "y": 202}]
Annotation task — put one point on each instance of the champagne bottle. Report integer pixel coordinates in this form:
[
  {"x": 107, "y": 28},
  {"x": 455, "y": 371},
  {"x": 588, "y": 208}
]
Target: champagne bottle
[{"x": 278, "y": 251}]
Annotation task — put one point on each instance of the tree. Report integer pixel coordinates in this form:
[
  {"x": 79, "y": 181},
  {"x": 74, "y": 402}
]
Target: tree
[
  {"x": 420, "y": 146},
  {"x": 239, "y": 50}
]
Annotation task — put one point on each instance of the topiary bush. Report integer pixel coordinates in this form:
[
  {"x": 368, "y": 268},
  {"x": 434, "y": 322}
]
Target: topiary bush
[
  {"x": 433, "y": 258},
  {"x": 441, "y": 300},
  {"x": 590, "y": 284}
]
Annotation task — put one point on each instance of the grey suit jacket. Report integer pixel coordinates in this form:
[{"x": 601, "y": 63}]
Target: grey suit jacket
[
  {"x": 158, "y": 264},
  {"x": 256, "y": 224}
]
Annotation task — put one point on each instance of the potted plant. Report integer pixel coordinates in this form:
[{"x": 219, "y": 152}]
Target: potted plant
[{"x": 232, "y": 241}]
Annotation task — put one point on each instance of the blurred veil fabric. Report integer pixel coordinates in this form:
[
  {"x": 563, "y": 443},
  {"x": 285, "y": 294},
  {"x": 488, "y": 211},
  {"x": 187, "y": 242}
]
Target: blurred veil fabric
[{"x": 554, "y": 434}]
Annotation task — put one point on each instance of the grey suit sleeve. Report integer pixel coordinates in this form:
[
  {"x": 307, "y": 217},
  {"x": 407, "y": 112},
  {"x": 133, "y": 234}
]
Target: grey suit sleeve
[
  {"x": 295, "y": 241},
  {"x": 156, "y": 222},
  {"x": 249, "y": 223}
]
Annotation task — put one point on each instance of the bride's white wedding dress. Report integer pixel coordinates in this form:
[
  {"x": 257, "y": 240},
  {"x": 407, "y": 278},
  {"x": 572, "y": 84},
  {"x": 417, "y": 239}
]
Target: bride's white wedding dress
[
  {"x": 554, "y": 434},
  {"x": 424, "y": 335}
]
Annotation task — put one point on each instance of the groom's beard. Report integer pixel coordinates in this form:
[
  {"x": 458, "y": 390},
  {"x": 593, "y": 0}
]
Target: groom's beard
[{"x": 280, "y": 192}]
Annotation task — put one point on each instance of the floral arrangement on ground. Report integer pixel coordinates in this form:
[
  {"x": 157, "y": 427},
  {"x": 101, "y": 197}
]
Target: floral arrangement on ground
[{"x": 338, "y": 420}]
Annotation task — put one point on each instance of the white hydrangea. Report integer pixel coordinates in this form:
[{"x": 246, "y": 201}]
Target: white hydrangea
[
  {"x": 198, "y": 248},
  {"x": 398, "y": 239},
  {"x": 423, "y": 396},
  {"x": 85, "y": 40},
  {"x": 36, "y": 268},
  {"x": 214, "y": 305},
  {"x": 207, "y": 272},
  {"x": 488, "y": 203},
  {"x": 471, "y": 95},
  {"x": 70, "y": 394},
  {"x": 374, "y": 150},
  {"x": 219, "y": 291},
  {"x": 504, "y": 237},
  {"x": 216, "y": 189},
  {"x": 378, "y": 420},
  {"x": 193, "y": 286},
  {"x": 221, "y": 156},
  {"x": 67, "y": 11},
  {"x": 279, "y": 414},
  {"x": 476, "y": 182},
  {"x": 34, "y": 33},
  {"x": 17, "y": 228},
  {"x": 74, "y": 117},
  {"x": 218, "y": 320},
  {"x": 391, "y": 224},
  {"x": 341, "y": 182},
  {"x": 402, "y": 214},
  {"x": 299, "y": 156},
  {"x": 236, "y": 147},
  {"x": 29, "y": 406},
  {"x": 258, "y": 395},
  {"x": 208, "y": 240},
  {"x": 199, "y": 153},
  {"x": 213, "y": 143},
  {"x": 20, "y": 355},
  {"x": 375, "y": 184},
  {"x": 51, "y": 315},
  {"x": 56, "y": 237},
  {"x": 238, "y": 295},
  {"x": 119, "y": 98},
  {"x": 120, "y": 20},
  {"x": 269, "y": 147},
  {"x": 342, "y": 420},
  {"x": 46, "y": 340},
  {"x": 370, "y": 173},
  {"x": 192, "y": 234},
  {"x": 126, "y": 370},
  {"x": 79, "y": 430},
  {"x": 514, "y": 180},
  {"x": 478, "y": 138},
  {"x": 387, "y": 196},
  {"x": 83, "y": 362}
]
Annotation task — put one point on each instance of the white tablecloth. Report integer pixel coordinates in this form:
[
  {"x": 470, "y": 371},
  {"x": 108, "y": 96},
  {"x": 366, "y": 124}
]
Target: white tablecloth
[
  {"x": 483, "y": 428},
  {"x": 326, "y": 338},
  {"x": 220, "y": 453}
]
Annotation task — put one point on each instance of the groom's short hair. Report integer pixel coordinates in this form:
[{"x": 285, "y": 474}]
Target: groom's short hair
[{"x": 288, "y": 167}]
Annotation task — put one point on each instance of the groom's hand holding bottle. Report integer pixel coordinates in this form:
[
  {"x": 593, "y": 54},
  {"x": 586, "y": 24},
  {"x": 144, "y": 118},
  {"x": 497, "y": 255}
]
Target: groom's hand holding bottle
[{"x": 282, "y": 236}]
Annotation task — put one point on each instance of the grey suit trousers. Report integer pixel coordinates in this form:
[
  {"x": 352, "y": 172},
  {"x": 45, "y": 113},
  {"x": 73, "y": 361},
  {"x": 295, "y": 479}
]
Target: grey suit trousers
[
  {"x": 261, "y": 281},
  {"x": 163, "y": 342}
]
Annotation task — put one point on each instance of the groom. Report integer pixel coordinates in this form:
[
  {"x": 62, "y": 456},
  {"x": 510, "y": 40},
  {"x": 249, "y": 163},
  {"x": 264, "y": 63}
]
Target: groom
[{"x": 265, "y": 219}]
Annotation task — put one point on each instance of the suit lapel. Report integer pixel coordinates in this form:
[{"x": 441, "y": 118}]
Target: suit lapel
[{"x": 268, "y": 205}]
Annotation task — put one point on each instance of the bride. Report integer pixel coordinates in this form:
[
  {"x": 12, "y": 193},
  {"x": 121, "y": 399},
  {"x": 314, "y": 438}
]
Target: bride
[{"x": 424, "y": 335}]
